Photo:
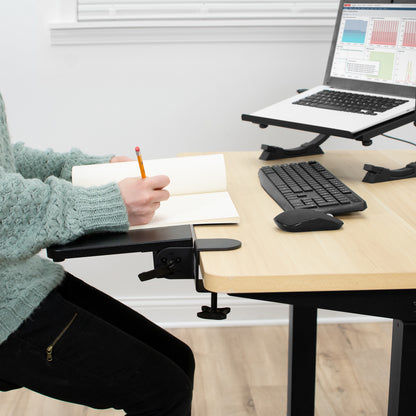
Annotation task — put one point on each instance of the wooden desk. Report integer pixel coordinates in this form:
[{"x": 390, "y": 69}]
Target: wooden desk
[
  {"x": 367, "y": 267},
  {"x": 375, "y": 249}
]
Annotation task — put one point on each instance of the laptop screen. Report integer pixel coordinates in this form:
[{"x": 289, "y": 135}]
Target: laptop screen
[{"x": 375, "y": 43}]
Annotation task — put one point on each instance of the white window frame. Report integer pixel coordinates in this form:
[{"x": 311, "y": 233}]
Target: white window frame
[{"x": 239, "y": 21}]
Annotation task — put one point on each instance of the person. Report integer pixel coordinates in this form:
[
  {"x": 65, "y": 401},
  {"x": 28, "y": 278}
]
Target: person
[{"x": 58, "y": 335}]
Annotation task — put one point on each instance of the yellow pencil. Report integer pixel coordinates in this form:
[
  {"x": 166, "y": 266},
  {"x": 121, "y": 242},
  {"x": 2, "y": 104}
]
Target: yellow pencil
[{"x": 140, "y": 160}]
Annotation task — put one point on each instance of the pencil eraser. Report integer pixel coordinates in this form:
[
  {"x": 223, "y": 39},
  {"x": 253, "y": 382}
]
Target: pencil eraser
[{"x": 137, "y": 149}]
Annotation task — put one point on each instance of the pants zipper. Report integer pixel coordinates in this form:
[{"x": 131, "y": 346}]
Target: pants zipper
[{"x": 50, "y": 347}]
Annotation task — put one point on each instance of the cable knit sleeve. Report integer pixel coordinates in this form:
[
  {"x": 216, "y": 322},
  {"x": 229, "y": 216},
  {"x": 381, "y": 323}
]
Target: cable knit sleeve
[
  {"x": 33, "y": 163},
  {"x": 35, "y": 214}
]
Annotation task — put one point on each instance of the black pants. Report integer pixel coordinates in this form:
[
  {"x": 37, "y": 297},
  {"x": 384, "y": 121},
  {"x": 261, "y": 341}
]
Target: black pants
[{"x": 82, "y": 346}]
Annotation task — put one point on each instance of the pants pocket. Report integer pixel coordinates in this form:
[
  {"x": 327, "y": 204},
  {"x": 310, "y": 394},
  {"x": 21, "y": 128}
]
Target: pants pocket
[{"x": 49, "y": 348}]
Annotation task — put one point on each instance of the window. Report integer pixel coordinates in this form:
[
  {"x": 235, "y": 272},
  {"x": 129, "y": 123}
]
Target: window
[
  {"x": 243, "y": 12},
  {"x": 121, "y": 21}
]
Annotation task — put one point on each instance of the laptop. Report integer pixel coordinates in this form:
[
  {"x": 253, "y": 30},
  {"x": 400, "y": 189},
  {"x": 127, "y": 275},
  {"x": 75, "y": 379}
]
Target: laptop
[{"x": 373, "y": 52}]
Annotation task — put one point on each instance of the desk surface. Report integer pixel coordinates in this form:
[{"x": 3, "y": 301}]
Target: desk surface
[{"x": 375, "y": 249}]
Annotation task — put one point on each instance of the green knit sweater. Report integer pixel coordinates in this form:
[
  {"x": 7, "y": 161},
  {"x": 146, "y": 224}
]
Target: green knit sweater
[{"x": 40, "y": 207}]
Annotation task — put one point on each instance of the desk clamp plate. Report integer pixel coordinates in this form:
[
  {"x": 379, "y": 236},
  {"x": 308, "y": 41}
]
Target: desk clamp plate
[{"x": 183, "y": 263}]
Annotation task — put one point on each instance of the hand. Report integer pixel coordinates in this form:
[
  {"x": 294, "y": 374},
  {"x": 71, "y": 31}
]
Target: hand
[
  {"x": 117, "y": 159},
  {"x": 142, "y": 197}
]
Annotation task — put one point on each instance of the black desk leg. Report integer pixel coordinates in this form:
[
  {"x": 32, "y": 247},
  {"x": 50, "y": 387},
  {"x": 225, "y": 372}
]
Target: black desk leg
[
  {"x": 403, "y": 369},
  {"x": 302, "y": 361}
]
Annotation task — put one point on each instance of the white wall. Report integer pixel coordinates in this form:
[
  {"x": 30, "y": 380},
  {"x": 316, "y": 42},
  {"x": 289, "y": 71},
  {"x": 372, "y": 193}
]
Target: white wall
[{"x": 167, "y": 98}]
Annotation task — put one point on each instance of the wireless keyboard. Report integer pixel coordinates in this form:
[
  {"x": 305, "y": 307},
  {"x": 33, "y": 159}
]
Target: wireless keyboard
[{"x": 309, "y": 185}]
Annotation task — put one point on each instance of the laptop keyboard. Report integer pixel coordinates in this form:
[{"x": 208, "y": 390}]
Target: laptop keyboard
[{"x": 350, "y": 102}]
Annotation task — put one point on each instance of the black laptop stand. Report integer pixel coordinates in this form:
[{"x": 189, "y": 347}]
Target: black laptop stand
[{"x": 313, "y": 147}]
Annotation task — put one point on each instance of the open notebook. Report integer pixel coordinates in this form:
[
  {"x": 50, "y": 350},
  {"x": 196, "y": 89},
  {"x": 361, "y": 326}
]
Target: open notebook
[{"x": 198, "y": 188}]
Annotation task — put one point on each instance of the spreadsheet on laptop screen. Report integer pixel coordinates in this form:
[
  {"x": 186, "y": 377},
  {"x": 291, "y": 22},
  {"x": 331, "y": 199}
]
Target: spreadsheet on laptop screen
[{"x": 376, "y": 42}]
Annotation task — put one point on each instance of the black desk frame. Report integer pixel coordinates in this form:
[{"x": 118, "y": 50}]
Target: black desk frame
[
  {"x": 399, "y": 305},
  {"x": 176, "y": 256}
]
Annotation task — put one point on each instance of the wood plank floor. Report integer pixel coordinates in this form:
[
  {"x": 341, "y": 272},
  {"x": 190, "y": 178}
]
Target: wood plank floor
[{"x": 243, "y": 372}]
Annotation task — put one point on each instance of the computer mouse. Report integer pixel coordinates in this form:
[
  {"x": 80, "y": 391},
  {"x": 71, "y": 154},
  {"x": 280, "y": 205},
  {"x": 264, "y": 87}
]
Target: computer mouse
[{"x": 306, "y": 220}]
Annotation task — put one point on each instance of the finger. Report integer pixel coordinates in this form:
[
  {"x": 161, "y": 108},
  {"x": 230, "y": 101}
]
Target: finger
[
  {"x": 161, "y": 195},
  {"x": 157, "y": 195},
  {"x": 118, "y": 159},
  {"x": 158, "y": 182}
]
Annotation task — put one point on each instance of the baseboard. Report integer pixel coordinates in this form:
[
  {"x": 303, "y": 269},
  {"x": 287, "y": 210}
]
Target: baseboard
[{"x": 181, "y": 312}]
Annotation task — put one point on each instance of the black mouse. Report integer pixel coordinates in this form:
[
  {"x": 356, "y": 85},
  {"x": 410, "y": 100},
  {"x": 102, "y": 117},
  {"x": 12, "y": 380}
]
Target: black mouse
[{"x": 306, "y": 220}]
